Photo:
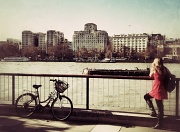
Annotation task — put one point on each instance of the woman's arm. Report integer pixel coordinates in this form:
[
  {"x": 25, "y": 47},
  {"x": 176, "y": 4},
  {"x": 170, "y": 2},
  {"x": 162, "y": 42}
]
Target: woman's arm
[{"x": 151, "y": 72}]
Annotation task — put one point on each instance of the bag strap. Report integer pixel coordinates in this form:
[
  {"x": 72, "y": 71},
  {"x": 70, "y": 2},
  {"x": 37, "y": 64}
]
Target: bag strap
[{"x": 167, "y": 72}]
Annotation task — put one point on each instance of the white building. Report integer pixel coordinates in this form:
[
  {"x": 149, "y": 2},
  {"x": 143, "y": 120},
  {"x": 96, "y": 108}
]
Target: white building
[
  {"x": 90, "y": 38},
  {"x": 134, "y": 42}
]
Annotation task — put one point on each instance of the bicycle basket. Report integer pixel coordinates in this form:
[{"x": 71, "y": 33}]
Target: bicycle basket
[{"x": 61, "y": 86}]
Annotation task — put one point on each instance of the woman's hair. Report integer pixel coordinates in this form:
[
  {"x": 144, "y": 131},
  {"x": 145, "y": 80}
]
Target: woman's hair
[{"x": 158, "y": 65}]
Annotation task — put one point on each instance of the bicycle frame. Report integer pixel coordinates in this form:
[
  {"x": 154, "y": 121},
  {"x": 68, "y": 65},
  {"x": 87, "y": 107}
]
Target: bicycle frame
[{"x": 48, "y": 100}]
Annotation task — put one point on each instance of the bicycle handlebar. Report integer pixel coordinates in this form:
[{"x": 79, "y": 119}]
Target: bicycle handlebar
[{"x": 55, "y": 80}]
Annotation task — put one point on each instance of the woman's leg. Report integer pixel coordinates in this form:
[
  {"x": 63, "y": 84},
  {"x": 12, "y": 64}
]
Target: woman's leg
[
  {"x": 148, "y": 98},
  {"x": 160, "y": 113}
]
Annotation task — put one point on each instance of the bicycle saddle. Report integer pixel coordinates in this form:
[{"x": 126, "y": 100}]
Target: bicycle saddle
[{"x": 36, "y": 86}]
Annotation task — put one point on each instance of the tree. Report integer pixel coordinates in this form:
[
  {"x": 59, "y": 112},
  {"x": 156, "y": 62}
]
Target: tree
[
  {"x": 108, "y": 51},
  {"x": 151, "y": 52},
  {"x": 9, "y": 50},
  {"x": 126, "y": 51},
  {"x": 31, "y": 52},
  {"x": 63, "y": 52},
  {"x": 83, "y": 53}
]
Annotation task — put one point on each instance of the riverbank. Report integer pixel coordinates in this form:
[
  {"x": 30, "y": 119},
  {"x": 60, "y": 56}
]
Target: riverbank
[
  {"x": 113, "y": 61},
  {"x": 24, "y": 59}
]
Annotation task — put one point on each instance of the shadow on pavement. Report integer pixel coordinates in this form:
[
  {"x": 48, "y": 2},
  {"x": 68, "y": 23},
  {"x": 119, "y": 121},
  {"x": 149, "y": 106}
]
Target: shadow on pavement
[
  {"x": 13, "y": 123},
  {"x": 9, "y": 124}
]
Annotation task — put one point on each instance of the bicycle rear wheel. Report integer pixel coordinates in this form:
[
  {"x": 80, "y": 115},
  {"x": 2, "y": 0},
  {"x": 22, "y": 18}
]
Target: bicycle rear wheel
[
  {"x": 62, "y": 108},
  {"x": 25, "y": 104}
]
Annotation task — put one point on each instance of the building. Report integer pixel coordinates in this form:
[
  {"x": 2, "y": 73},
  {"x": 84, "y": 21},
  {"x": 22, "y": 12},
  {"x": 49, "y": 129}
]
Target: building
[
  {"x": 27, "y": 38},
  {"x": 54, "y": 37},
  {"x": 130, "y": 43},
  {"x": 41, "y": 37},
  {"x": 90, "y": 38},
  {"x": 156, "y": 39},
  {"x": 3, "y": 42},
  {"x": 171, "y": 49},
  {"x": 34, "y": 39},
  {"x": 14, "y": 41}
]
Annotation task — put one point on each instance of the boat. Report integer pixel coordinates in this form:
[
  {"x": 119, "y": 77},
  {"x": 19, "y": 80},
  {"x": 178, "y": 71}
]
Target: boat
[
  {"x": 106, "y": 60},
  {"x": 117, "y": 72},
  {"x": 122, "y": 59},
  {"x": 15, "y": 59}
]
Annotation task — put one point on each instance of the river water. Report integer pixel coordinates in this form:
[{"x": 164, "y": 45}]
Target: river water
[{"x": 73, "y": 67}]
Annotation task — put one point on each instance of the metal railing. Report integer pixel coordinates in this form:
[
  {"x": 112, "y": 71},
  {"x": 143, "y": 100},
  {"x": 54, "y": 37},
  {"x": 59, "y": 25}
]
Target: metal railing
[{"x": 117, "y": 93}]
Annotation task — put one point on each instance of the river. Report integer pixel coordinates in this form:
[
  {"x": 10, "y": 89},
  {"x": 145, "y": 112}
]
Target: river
[{"x": 73, "y": 67}]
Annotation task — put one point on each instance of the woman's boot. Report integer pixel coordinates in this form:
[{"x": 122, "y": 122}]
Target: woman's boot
[
  {"x": 160, "y": 114},
  {"x": 158, "y": 126},
  {"x": 159, "y": 122},
  {"x": 151, "y": 107}
]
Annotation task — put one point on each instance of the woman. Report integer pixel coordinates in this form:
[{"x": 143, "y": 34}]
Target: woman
[{"x": 158, "y": 91}]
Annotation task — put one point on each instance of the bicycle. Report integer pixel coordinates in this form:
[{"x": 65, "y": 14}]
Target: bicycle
[{"x": 61, "y": 106}]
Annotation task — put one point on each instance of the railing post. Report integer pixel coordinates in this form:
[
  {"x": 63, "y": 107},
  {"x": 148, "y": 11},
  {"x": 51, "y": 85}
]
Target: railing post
[
  {"x": 13, "y": 89},
  {"x": 87, "y": 93},
  {"x": 177, "y": 97}
]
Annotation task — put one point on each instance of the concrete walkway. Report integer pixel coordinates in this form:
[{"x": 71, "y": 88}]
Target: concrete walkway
[
  {"x": 81, "y": 121},
  {"x": 13, "y": 123}
]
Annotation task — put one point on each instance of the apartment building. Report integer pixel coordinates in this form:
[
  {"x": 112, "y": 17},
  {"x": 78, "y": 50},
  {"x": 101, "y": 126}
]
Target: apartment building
[
  {"x": 27, "y": 38},
  {"x": 34, "y": 39},
  {"x": 131, "y": 42},
  {"x": 41, "y": 40},
  {"x": 90, "y": 38},
  {"x": 54, "y": 37},
  {"x": 15, "y": 41}
]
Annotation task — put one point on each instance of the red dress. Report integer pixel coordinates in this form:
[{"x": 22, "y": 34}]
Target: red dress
[{"x": 158, "y": 91}]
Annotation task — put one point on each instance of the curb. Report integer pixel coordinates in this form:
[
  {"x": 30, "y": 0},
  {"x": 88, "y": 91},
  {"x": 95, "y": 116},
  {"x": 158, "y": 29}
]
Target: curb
[{"x": 101, "y": 116}]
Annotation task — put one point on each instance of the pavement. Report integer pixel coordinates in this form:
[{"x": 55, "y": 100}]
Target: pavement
[{"x": 84, "y": 121}]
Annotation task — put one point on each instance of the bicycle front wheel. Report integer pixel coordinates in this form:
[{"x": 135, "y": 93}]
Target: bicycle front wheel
[
  {"x": 25, "y": 104},
  {"x": 62, "y": 108}
]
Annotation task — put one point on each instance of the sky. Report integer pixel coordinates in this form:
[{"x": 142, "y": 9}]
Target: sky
[{"x": 114, "y": 16}]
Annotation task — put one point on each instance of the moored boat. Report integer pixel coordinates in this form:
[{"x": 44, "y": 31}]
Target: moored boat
[
  {"x": 117, "y": 72},
  {"x": 106, "y": 60},
  {"x": 16, "y": 59}
]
